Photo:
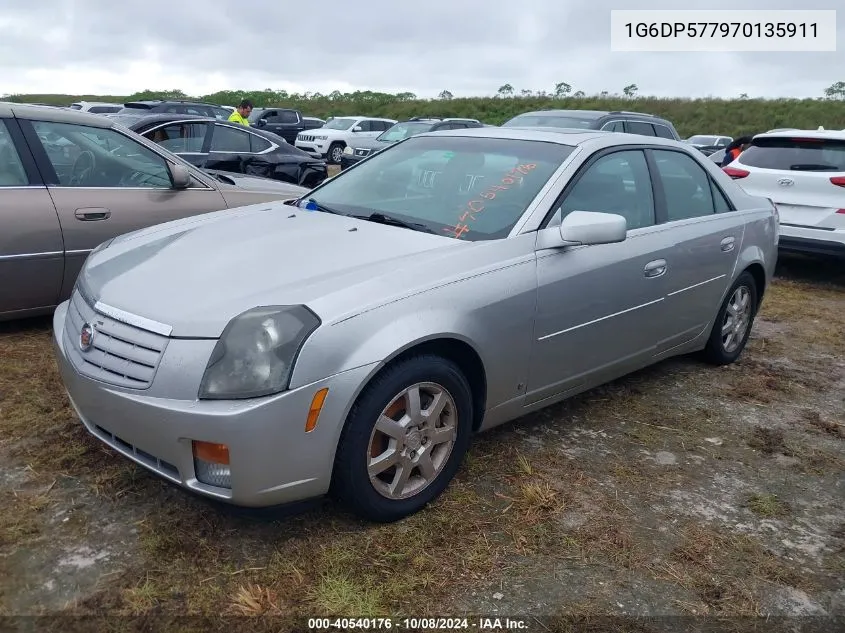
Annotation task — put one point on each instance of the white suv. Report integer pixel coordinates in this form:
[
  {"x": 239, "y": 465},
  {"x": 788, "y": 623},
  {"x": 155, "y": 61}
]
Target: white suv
[
  {"x": 331, "y": 139},
  {"x": 803, "y": 173},
  {"x": 97, "y": 107}
]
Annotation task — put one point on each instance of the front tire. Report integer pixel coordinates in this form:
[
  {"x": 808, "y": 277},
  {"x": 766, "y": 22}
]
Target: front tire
[
  {"x": 335, "y": 153},
  {"x": 733, "y": 323},
  {"x": 404, "y": 439}
]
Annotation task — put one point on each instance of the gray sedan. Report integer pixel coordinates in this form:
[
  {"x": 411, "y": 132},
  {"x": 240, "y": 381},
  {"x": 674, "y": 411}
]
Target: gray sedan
[{"x": 353, "y": 341}]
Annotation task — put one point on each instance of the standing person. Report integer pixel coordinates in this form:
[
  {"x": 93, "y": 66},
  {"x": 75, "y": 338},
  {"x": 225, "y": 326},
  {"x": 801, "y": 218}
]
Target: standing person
[
  {"x": 736, "y": 148},
  {"x": 241, "y": 114}
]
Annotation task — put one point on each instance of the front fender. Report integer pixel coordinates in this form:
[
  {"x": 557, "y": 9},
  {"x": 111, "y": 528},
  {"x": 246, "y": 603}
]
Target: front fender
[{"x": 492, "y": 313}]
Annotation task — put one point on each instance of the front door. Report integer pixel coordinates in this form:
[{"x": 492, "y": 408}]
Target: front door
[
  {"x": 189, "y": 140},
  {"x": 600, "y": 309},
  {"x": 31, "y": 249},
  {"x": 105, "y": 185},
  {"x": 708, "y": 238}
]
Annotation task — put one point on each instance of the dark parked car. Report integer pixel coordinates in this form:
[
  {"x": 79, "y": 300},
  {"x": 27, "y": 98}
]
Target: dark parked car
[
  {"x": 708, "y": 144},
  {"x": 399, "y": 132},
  {"x": 141, "y": 108},
  {"x": 220, "y": 145},
  {"x": 286, "y": 122},
  {"x": 614, "y": 121}
]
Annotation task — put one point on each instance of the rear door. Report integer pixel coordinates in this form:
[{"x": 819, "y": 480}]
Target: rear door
[
  {"x": 707, "y": 236},
  {"x": 285, "y": 123},
  {"x": 113, "y": 185},
  {"x": 804, "y": 177},
  {"x": 31, "y": 248},
  {"x": 230, "y": 146}
]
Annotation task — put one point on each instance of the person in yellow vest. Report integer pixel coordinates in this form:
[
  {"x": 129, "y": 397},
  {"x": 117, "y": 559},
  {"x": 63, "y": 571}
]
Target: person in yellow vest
[{"x": 241, "y": 114}]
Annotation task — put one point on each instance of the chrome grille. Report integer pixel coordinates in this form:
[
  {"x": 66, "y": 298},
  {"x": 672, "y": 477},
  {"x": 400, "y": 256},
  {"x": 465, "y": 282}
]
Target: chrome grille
[
  {"x": 307, "y": 138},
  {"x": 121, "y": 354}
]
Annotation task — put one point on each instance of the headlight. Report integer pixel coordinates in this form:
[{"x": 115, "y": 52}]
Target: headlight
[
  {"x": 347, "y": 150},
  {"x": 255, "y": 354}
]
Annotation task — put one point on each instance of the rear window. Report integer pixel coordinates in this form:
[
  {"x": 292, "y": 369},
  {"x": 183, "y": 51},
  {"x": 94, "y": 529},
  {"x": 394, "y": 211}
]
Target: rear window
[{"x": 795, "y": 154}]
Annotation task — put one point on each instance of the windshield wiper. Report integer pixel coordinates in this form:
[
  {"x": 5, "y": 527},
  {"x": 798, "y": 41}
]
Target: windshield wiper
[
  {"x": 324, "y": 208},
  {"x": 390, "y": 220}
]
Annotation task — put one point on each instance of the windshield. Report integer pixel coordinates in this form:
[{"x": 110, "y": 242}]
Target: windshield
[
  {"x": 401, "y": 131},
  {"x": 703, "y": 140},
  {"x": 340, "y": 124},
  {"x": 545, "y": 120},
  {"x": 796, "y": 154},
  {"x": 459, "y": 187}
]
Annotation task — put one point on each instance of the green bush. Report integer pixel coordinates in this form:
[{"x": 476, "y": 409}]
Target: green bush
[{"x": 690, "y": 116}]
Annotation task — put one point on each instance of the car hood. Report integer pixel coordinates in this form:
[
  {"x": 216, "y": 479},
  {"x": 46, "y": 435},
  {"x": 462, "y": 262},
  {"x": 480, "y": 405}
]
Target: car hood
[
  {"x": 229, "y": 181},
  {"x": 196, "y": 274}
]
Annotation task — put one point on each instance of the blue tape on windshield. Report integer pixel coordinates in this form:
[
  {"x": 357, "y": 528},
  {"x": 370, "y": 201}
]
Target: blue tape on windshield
[{"x": 311, "y": 206}]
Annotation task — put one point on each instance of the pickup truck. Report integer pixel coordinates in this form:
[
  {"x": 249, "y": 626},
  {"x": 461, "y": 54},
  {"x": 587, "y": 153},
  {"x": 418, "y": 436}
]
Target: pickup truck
[{"x": 285, "y": 122}]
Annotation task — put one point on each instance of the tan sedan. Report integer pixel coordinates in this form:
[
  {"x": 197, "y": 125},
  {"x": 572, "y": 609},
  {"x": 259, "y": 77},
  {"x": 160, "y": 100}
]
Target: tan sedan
[{"x": 70, "y": 181}]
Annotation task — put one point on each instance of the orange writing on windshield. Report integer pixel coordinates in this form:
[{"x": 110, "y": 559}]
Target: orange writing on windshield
[{"x": 471, "y": 209}]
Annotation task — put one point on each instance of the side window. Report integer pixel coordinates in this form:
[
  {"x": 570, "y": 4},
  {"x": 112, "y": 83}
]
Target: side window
[
  {"x": 198, "y": 110},
  {"x": 12, "y": 173},
  {"x": 613, "y": 126},
  {"x": 686, "y": 185},
  {"x": 85, "y": 156},
  {"x": 720, "y": 202},
  {"x": 366, "y": 126},
  {"x": 287, "y": 117},
  {"x": 639, "y": 127},
  {"x": 663, "y": 131},
  {"x": 258, "y": 144},
  {"x": 180, "y": 138},
  {"x": 615, "y": 183},
  {"x": 175, "y": 109},
  {"x": 230, "y": 140}
]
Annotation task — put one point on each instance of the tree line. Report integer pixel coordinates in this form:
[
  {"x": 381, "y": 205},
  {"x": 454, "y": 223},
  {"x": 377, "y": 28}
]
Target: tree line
[{"x": 734, "y": 117}]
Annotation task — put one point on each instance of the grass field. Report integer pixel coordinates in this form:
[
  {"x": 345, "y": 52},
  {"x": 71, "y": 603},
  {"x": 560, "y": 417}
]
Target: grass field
[
  {"x": 682, "y": 489},
  {"x": 733, "y": 117}
]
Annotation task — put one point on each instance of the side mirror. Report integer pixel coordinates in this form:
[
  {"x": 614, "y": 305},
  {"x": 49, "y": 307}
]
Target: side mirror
[
  {"x": 357, "y": 128},
  {"x": 262, "y": 122},
  {"x": 590, "y": 227},
  {"x": 180, "y": 176}
]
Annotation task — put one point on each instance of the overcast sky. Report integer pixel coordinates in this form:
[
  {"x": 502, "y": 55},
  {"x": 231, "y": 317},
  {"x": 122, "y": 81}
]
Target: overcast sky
[{"x": 469, "y": 47}]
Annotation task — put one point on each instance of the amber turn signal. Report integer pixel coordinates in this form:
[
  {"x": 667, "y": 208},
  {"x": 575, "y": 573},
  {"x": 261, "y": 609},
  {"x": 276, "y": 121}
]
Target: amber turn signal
[
  {"x": 316, "y": 406},
  {"x": 210, "y": 452}
]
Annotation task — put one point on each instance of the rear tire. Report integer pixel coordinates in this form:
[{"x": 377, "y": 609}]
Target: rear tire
[
  {"x": 733, "y": 323},
  {"x": 415, "y": 416}
]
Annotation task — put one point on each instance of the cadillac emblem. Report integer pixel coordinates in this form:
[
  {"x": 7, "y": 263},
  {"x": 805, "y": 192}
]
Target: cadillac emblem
[{"x": 86, "y": 337}]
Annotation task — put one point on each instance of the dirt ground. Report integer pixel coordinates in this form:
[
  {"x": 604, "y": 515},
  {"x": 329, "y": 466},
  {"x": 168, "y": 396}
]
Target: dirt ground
[{"x": 680, "y": 490}]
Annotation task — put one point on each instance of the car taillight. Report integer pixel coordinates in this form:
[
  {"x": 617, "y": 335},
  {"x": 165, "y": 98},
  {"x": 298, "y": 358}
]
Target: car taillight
[
  {"x": 735, "y": 173},
  {"x": 839, "y": 181}
]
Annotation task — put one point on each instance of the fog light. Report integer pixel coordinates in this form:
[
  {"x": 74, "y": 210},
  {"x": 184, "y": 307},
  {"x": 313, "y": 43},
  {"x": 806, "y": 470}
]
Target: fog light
[{"x": 211, "y": 464}]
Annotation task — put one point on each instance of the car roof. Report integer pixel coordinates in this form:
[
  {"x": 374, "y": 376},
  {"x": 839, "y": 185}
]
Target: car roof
[
  {"x": 160, "y": 117},
  {"x": 820, "y": 134},
  {"x": 561, "y": 136},
  {"x": 590, "y": 114},
  {"x": 49, "y": 113}
]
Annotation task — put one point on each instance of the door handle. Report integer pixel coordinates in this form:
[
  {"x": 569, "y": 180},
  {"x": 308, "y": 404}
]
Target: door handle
[
  {"x": 92, "y": 213},
  {"x": 655, "y": 268},
  {"x": 728, "y": 244}
]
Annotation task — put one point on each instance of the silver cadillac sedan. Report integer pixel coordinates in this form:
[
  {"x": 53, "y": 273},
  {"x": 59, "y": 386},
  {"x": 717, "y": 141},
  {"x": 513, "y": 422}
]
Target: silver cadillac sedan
[{"x": 352, "y": 341}]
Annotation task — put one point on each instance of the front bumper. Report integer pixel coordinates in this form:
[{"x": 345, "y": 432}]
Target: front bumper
[
  {"x": 313, "y": 147},
  {"x": 347, "y": 160},
  {"x": 272, "y": 460}
]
